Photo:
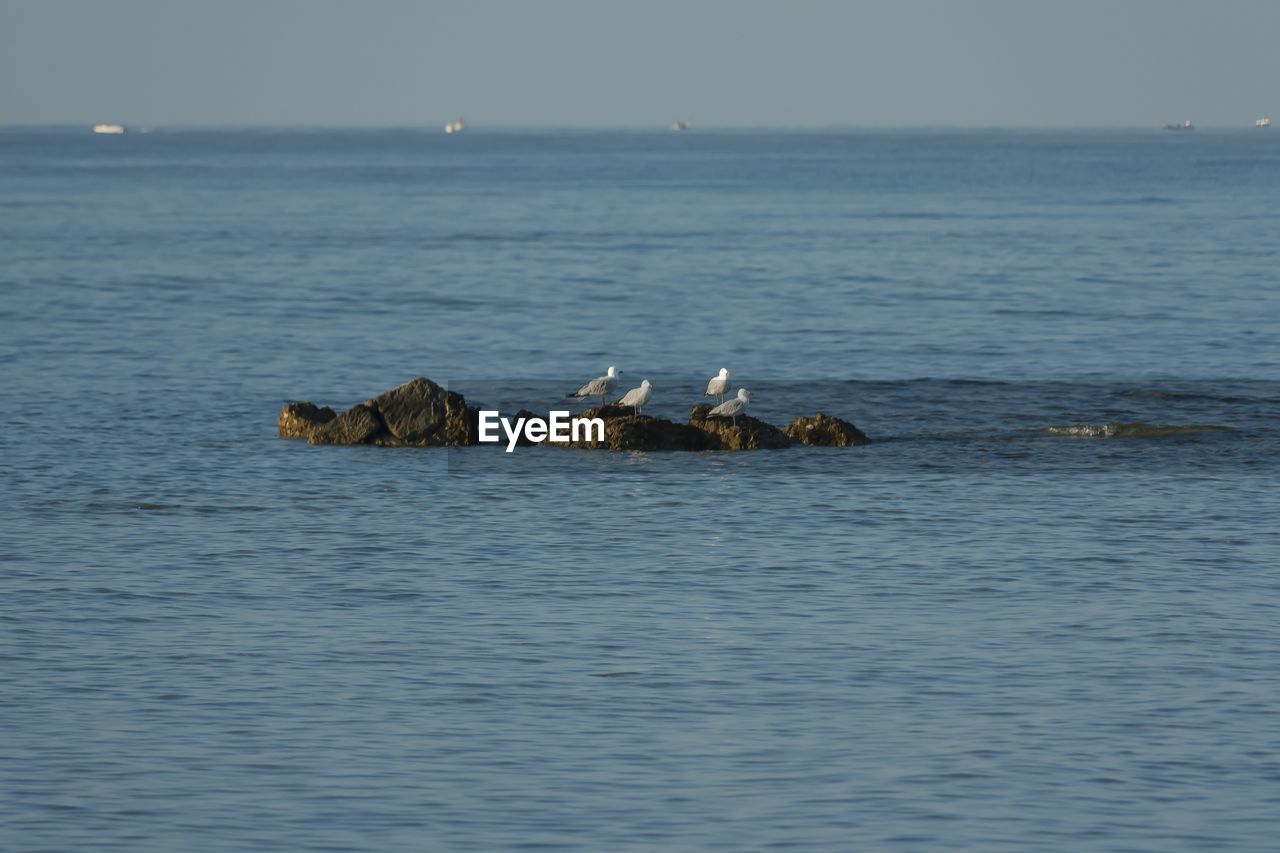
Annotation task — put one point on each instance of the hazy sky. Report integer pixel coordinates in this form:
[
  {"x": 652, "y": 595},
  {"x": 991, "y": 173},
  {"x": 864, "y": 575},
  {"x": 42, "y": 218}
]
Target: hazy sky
[{"x": 598, "y": 62}]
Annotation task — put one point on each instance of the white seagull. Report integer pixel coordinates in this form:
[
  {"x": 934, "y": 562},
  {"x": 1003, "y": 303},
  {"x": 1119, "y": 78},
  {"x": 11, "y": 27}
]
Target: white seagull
[
  {"x": 733, "y": 407},
  {"x": 718, "y": 385},
  {"x": 637, "y": 397},
  {"x": 601, "y": 386}
]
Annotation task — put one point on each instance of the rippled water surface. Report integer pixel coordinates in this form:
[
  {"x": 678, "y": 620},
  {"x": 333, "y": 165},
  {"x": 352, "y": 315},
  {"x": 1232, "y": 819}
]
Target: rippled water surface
[{"x": 970, "y": 635}]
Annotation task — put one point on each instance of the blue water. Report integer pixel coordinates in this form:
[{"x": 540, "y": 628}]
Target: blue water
[{"x": 968, "y": 636}]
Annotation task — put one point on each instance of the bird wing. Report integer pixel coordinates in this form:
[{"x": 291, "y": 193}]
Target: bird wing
[
  {"x": 594, "y": 388},
  {"x": 716, "y": 386},
  {"x": 728, "y": 407},
  {"x": 634, "y": 397}
]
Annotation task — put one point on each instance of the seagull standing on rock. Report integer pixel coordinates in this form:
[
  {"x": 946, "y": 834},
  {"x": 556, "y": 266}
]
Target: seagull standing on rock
[
  {"x": 600, "y": 386},
  {"x": 637, "y": 397},
  {"x": 718, "y": 385},
  {"x": 732, "y": 408}
]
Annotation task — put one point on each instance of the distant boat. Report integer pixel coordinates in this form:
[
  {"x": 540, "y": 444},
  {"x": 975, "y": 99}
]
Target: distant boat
[
  {"x": 455, "y": 126},
  {"x": 113, "y": 129},
  {"x": 1262, "y": 122},
  {"x": 678, "y": 125}
]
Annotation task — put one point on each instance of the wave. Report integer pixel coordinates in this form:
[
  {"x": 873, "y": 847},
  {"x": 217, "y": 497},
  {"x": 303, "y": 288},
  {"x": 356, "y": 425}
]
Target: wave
[
  {"x": 1153, "y": 394},
  {"x": 1135, "y": 429}
]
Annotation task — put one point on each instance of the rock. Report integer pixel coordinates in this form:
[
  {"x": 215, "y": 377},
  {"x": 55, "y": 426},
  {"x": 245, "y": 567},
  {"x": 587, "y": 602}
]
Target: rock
[
  {"x": 420, "y": 413},
  {"x": 521, "y": 441},
  {"x": 298, "y": 420},
  {"x": 749, "y": 433},
  {"x": 623, "y": 430},
  {"x": 825, "y": 431},
  {"x": 357, "y": 425},
  {"x": 608, "y": 411}
]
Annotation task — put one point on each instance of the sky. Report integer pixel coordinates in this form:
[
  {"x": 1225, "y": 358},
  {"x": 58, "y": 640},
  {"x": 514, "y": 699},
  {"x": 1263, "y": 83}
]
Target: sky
[{"x": 784, "y": 63}]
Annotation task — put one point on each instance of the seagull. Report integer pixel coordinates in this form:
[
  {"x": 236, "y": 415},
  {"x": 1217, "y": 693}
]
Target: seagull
[
  {"x": 733, "y": 407},
  {"x": 600, "y": 386},
  {"x": 637, "y": 397},
  {"x": 718, "y": 385}
]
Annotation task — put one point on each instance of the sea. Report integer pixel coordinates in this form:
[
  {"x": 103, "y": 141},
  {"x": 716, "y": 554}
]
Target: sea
[{"x": 1002, "y": 626}]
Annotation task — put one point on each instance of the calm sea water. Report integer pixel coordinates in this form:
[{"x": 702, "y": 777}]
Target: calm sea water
[{"x": 970, "y": 635}]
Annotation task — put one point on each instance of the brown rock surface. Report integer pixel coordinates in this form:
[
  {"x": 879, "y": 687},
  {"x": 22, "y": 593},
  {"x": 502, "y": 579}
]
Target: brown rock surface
[
  {"x": 420, "y": 413},
  {"x": 825, "y": 431},
  {"x": 623, "y": 430},
  {"x": 356, "y": 425},
  {"x": 748, "y": 434},
  {"x": 298, "y": 420}
]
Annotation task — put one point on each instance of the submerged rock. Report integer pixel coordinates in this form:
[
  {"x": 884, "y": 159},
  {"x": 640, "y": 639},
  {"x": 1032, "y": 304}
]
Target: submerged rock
[
  {"x": 747, "y": 434},
  {"x": 1133, "y": 430},
  {"x": 299, "y": 420},
  {"x": 825, "y": 431}
]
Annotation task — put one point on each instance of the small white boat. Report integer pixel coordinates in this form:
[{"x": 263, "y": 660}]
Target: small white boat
[
  {"x": 455, "y": 126},
  {"x": 112, "y": 129},
  {"x": 1262, "y": 122},
  {"x": 678, "y": 125},
  {"x": 1186, "y": 125}
]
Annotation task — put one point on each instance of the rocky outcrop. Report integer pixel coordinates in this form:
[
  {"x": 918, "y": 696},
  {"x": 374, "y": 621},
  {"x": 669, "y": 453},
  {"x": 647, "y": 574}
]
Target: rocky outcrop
[
  {"x": 299, "y": 420},
  {"x": 421, "y": 413},
  {"x": 418, "y": 413},
  {"x": 357, "y": 425},
  {"x": 747, "y": 433},
  {"x": 825, "y": 431},
  {"x": 623, "y": 430}
]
